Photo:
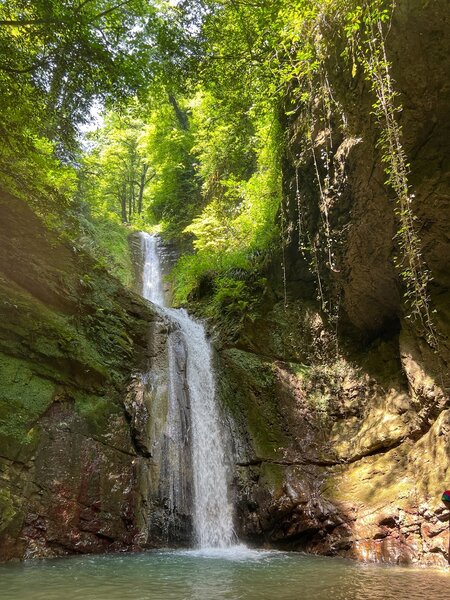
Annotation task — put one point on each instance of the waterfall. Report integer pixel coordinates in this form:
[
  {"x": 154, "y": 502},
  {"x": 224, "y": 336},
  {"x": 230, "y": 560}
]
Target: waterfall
[
  {"x": 151, "y": 271},
  {"x": 193, "y": 424}
]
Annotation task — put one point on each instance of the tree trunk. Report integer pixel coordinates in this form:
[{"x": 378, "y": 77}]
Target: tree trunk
[
  {"x": 123, "y": 202},
  {"x": 142, "y": 183},
  {"x": 133, "y": 198},
  {"x": 130, "y": 207},
  {"x": 182, "y": 117}
]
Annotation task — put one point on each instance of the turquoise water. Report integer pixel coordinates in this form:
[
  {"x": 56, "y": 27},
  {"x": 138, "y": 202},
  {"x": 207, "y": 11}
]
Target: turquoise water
[{"x": 235, "y": 574}]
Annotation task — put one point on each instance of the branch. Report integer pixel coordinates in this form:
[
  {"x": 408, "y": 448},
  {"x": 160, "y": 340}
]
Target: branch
[
  {"x": 83, "y": 4},
  {"x": 180, "y": 114},
  {"x": 33, "y": 22},
  {"x": 109, "y": 10},
  {"x": 18, "y": 71},
  {"x": 25, "y": 23}
]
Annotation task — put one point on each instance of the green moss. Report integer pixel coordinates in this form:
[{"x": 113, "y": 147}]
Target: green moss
[
  {"x": 290, "y": 332},
  {"x": 47, "y": 335},
  {"x": 106, "y": 238},
  {"x": 7, "y": 509},
  {"x": 320, "y": 404},
  {"x": 374, "y": 481},
  {"x": 70, "y": 335},
  {"x": 257, "y": 370},
  {"x": 95, "y": 410},
  {"x": 24, "y": 397},
  {"x": 321, "y": 384},
  {"x": 272, "y": 477},
  {"x": 264, "y": 426},
  {"x": 251, "y": 396}
]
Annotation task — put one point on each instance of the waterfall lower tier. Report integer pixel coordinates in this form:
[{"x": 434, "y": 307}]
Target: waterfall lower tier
[
  {"x": 212, "y": 513},
  {"x": 193, "y": 471}
]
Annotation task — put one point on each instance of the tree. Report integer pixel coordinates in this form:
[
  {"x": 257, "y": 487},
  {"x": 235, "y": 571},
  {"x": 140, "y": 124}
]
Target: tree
[
  {"x": 116, "y": 171},
  {"x": 174, "y": 191},
  {"x": 59, "y": 56}
]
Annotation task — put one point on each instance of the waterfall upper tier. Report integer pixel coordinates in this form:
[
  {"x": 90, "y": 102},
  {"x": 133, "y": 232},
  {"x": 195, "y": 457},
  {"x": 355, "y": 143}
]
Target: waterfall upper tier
[{"x": 152, "y": 288}]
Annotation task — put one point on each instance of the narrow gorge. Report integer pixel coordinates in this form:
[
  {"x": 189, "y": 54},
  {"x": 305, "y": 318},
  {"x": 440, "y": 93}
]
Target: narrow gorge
[{"x": 224, "y": 299}]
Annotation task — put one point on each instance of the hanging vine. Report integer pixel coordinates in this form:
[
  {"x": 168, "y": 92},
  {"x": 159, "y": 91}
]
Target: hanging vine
[
  {"x": 364, "y": 25},
  {"x": 366, "y": 34},
  {"x": 318, "y": 106}
]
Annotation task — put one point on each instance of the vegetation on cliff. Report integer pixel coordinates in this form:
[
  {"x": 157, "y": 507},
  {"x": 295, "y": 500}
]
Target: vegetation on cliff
[
  {"x": 193, "y": 102},
  {"x": 222, "y": 125}
]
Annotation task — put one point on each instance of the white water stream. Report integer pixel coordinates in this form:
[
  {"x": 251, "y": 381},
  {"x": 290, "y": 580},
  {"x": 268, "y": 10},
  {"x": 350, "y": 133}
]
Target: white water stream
[
  {"x": 212, "y": 511},
  {"x": 151, "y": 274}
]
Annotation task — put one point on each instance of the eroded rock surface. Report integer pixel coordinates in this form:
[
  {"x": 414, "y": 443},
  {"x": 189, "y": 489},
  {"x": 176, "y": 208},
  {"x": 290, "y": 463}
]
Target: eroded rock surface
[{"x": 338, "y": 457}]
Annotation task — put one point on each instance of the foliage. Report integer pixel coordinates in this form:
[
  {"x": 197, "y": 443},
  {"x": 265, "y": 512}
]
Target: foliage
[
  {"x": 36, "y": 175},
  {"x": 59, "y": 60},
  {"x": 308, "y": 33},
  {"x": 236, "y": 229},
  {"x": 115, "y": 170},
  {"x": 106, "y": 239},
  {"x": 174, "y": 189},
  {"x": 195, "y": 95},
  {"x": 58, "y": 56}
]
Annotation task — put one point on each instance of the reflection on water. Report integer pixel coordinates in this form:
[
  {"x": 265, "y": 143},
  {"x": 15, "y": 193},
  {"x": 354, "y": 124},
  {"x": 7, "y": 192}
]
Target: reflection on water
[{"x": 231, "y": 574}]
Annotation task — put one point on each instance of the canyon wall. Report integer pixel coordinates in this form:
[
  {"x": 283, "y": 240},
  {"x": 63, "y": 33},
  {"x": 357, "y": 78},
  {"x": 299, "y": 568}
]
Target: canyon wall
[
  {"x": 72, "y": 339},
  {"x": 340, "y": 402},
  {"x": 336, "y": 402}
]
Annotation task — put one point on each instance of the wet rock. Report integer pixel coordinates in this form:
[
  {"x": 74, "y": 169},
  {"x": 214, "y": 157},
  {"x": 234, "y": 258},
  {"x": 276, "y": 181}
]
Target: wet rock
[
  {"x": 346, "y": 436},
  {"x": 70, "y": 339}
]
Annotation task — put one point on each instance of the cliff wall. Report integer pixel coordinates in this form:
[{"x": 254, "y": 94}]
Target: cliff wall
[
  {"x": 340, "y": 401},
  {"x": 71, "y": 338}
]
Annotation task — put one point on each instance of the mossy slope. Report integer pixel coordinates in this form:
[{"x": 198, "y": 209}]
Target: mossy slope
[{"x": 71, "y": 336}]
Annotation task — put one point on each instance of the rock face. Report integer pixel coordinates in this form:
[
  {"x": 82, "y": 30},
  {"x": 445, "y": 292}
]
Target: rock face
[
  {"x": 333, "y": 456},
  {"x": 162, "y": 433},
  {"x": 70, "y": 339},
  {"x": 341, "y": 409}
]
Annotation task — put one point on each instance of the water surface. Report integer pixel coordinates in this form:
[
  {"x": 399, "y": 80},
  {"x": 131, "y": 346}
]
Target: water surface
[{"x": 230, "y": 574}]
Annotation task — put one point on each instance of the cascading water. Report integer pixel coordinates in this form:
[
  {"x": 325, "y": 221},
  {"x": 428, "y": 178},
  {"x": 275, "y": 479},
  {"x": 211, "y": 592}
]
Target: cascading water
[
  {"x": 151, "y": 273},
  {"x": 212, "y": 512}
]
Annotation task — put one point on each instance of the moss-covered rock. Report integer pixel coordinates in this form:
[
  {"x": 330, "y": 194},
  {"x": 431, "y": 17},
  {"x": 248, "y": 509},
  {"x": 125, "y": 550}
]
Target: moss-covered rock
[
  {"x": 351, "y": 423},
  {"x": 71, "y": 337}
]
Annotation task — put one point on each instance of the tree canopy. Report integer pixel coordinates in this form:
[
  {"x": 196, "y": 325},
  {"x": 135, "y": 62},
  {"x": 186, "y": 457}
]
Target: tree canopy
[{"x": 194, "y": 99}]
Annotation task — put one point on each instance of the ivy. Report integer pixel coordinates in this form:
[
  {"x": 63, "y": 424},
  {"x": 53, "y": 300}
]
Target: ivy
[{"x": 305, "y": 41}]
